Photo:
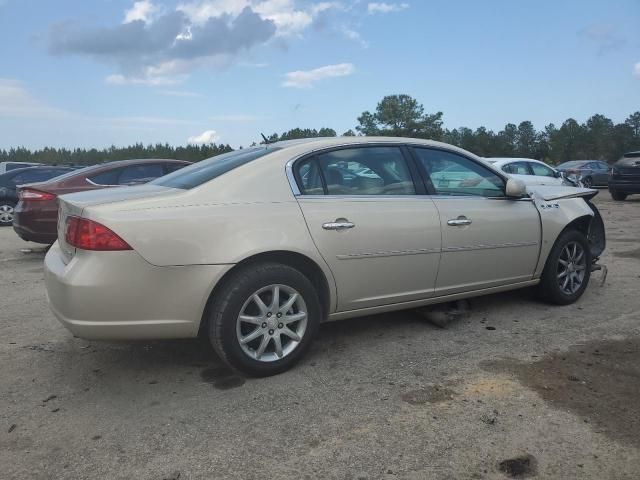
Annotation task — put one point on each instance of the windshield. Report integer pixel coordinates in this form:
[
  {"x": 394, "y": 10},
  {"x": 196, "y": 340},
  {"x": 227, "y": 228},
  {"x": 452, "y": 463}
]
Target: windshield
[{"x": 201, "y": 172}]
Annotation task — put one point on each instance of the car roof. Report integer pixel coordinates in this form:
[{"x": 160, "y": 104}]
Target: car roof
[
  {"x": 311, "y": 144},
  {"x": 16, "y": 171},
  {"x": 501, "y": 161}
]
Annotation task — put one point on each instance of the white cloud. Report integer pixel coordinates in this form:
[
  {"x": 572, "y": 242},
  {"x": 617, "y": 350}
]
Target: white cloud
[
  {"x": 383, "y": 7},
  {"x": 143, "y": 10},
  {"x": 289, "y": 18},
  {"x": 636, "y": 70},
  {"x": 205, "y": 138},
  {"x": 154, "y": 81},
  {"x": 308, "y": 78},
  {"x": 355, "y": 36},
  {"x": 17, "y": 102}
]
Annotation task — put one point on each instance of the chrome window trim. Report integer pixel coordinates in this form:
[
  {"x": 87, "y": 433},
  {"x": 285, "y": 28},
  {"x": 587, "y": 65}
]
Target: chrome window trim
[{"x": 378, "y": 143}]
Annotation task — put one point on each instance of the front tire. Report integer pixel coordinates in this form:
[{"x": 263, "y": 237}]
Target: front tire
[
  {"x": 264, "y": 319},
  {"x": 587, "y": 182},
  {"x": 568, "y": 269},
  {"x": 6, "y": 213},
  {"x": 620, "y": 197}
]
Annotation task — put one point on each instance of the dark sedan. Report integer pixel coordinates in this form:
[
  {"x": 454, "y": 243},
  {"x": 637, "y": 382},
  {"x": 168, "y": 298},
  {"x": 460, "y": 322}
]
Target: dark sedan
[
  {"x": 36, "y": 215},
  {"x": 625, "y": 176},
  {"x": 592, "y": 173},
  {"x": 9, "y": 187}
]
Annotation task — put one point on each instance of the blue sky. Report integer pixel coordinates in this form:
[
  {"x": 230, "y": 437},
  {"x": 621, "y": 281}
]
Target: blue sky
[{"x": 101, "y": 72}]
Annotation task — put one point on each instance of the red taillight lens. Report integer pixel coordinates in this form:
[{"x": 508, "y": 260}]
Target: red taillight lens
[
  {"x": 30, "y": 194},
  {"x": 89, "y": 235}
]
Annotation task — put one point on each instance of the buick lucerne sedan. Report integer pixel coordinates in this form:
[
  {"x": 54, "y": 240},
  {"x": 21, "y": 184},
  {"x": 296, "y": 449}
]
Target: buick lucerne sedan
[{"x": 255, "y": 248}]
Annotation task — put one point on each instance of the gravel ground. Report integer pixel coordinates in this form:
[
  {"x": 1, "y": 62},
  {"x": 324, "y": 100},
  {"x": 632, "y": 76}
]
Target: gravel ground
[{"x": 515, "y": 389}]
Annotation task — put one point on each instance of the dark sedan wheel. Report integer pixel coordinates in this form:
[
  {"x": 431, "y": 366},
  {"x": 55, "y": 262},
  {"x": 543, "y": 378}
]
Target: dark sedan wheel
[
  {"x": 618, "y": 196},
  {"x": 568, "y": 269},
  {"x": 264, "y": 318},
  {"x": 587, "y": 182},
  {"x": 6, "y": 213}
]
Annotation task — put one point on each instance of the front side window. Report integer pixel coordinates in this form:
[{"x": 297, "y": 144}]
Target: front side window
[
  {"x": 542, "y": 170},
  {"x": 453, "y": 174},
  {"x": 517, "y": 168},
  {"x": 357, "y": 171}
]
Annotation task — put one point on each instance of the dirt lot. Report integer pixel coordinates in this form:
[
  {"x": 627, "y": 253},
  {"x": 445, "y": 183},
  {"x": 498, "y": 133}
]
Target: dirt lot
[{"x": 517, "y": 389}]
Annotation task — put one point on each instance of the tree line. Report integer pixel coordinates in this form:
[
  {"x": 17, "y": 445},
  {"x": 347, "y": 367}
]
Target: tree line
[
  {"x": 598, "y": 138},
  {"x": 81, "y": 156}
]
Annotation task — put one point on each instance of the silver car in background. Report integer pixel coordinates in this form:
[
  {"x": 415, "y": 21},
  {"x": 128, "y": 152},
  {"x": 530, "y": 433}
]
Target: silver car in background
[
  {"x": 255, "y": 248},
  {"x": 591, "y": 173}
]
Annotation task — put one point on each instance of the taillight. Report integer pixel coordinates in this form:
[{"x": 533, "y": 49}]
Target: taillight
[
  {"x": 31, "y": 194},
  {"x": 89, "y": 235}
]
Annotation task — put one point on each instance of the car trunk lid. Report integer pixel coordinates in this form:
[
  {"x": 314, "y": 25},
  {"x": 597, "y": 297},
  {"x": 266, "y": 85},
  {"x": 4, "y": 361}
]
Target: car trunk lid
[{"x": 74, "y": 204}]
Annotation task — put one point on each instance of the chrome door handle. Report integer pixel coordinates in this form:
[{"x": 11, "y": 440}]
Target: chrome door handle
[
  {"x": 338, "y": 225},
  {"x": 461, "y": 221}
]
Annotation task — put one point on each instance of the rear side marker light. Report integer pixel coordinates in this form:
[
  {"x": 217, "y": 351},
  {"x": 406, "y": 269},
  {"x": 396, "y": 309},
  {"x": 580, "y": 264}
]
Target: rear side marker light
[
  {"x": 89, "y": 235},
  {"x": 30, "y": 194}
]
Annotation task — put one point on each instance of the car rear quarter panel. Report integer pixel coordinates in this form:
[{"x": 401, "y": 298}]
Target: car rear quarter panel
[
  {"x": 555, "y": 215},
  {"x": 245, "y": 212}
]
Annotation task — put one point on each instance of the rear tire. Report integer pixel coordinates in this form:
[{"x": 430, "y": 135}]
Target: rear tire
[
  {"x": 264, "y": 318},
  {"x": 568, "y": 269},
  {"x": 620, "y": 197},
  {"x": 6, "y": 213}
]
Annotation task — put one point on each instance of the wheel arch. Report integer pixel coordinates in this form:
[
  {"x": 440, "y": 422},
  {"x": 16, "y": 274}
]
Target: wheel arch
[{"x": 299, "y": 261}]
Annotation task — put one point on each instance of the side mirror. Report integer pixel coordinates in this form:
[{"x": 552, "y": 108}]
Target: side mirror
[
  {"x": 515, "y": 188},
  {"x": 559, "y": 174}
]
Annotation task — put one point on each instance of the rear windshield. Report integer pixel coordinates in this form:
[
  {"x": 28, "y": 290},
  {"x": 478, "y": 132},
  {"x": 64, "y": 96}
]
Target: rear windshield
[{"x": 201, "y": 172}]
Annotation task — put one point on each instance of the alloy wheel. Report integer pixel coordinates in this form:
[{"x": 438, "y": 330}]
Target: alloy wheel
[
  {"x": 6, "y": 213},
  {"x": 572, "y": 266},
  {"x": 272, "y": 323}
]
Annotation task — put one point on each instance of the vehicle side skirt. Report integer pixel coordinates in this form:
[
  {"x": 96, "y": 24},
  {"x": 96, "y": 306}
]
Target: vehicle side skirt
[{"x": 429, "y": 301}]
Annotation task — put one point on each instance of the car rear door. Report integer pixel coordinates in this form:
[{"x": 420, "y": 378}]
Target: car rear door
[
  {"x": 379, "y": 236},
  {"x": 487, "y": 239}
]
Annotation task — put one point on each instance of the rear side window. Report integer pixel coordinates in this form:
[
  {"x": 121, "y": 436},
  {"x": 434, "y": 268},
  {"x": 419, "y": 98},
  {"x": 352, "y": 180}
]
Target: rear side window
[
  {"x": 206, "y": 170},
  {"x": 106, "y": 178},
  {"x": 140, "y": 173},
  {"x": 357, "y": 171}
]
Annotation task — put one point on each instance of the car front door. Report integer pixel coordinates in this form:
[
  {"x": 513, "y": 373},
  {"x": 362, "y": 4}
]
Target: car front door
[
  {"x": 380, "y": 238},
  {"x": 544, "y": 174},
  {"x": 488, "y": 240}
]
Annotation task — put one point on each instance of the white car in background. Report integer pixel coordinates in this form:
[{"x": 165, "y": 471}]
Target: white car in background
[{"x": 531, "y": 172}]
